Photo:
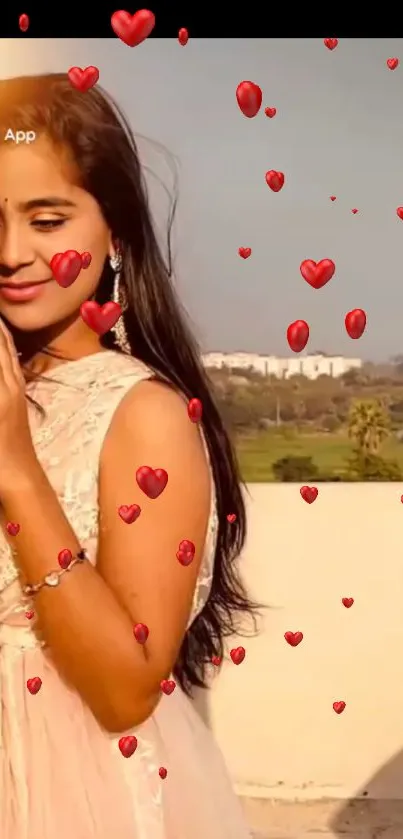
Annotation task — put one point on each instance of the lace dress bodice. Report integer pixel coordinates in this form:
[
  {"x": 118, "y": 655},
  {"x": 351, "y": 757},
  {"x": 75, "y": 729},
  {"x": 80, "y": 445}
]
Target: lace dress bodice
[{"x": 79, "y": 399}]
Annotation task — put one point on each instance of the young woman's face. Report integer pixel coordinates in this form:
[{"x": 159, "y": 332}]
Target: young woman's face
[{"x": 42, "y": 213}]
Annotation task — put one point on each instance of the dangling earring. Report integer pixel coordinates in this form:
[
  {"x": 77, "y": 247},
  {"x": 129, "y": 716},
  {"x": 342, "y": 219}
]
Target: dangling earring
[{"x": 118, "y": 296}]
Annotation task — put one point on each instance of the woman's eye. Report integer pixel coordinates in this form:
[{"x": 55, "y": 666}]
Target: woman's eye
[{"x": 47, "y": 224}]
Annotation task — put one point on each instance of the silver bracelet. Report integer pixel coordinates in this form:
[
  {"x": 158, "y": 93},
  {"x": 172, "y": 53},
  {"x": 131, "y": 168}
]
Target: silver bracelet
[{"x": 53, "y": 579}]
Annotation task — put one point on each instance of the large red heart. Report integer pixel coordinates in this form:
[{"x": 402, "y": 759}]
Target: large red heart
[
  {"x": 298, "y": 335},
  {"x": 151, "y": 481},
  {"x": 66, "y": 267},
  {"x": 133, "y": 29},
  {"x": 129, "y": 512},
  {"x": 34, "y": 685},
  {"x": 100, "y": 318},
  {"x": 186, "y": 552},
  {"x": 238, "y": 655},
  {"x": 167, "y": 686},
  {"x": 293, "y": 638},
  {"x": 249, "y": 97},
  {"x": 309, "y": 494},
  {"x": 83, "y": 80},
  {"x": 128, "y": 745},
  {"x": 317, "y": 274},
  {"x": 355, "y": 322},
  {"x": 275, "y": 180}
]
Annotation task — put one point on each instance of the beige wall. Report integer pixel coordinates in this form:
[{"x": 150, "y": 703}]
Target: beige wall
[{"x": 272, "y": 715}]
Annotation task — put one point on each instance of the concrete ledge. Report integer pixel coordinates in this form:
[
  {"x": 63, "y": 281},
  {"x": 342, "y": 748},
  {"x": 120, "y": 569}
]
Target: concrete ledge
[{"x": 359, "y": 818}]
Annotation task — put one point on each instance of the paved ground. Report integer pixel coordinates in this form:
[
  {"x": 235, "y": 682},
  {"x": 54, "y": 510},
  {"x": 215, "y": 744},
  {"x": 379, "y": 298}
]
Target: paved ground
[{"x": 357, "y": 819}]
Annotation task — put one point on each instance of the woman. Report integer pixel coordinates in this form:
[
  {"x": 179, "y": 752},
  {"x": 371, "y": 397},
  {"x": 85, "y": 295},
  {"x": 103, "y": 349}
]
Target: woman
[{"x": 98, "y": 737}]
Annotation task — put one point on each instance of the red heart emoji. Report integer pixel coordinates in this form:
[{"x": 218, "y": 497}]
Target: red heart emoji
[
  {"x": 186, "y": 552},
  {"x": 354, "y": 211},
  {"x": 23, "y": 22},
  {"x": 129, "y": 512},
  {"x": 355, "y": 322},
  {"x": 151, "y": 481},
  {"x": 298, "y": 335},
  {"x": 86, "y": 259},
  {"x": 309, "y": 494},
  {"x": 270, "y": 112},
  {"x": 347, "y": 602},
  {"x": 293, "y": 638},
  {"x": 339, "y": 707},
  {"x": 66, "y": 267},
  {"x": 238, "y": 655},
  {"x": 29, "y": 615},
  {"x": 245, "y": 252},
  {"x": 183, "y": 37},
  {"x": 100, "y": 318},
  {"x": 128, "y": 745},
  {"x": 34, "y": 685},
  {"x": 195, "y": 410},
  {"x": 141, "y": 632},
  {"x": 249, "y": 97},
  {"x": 317, "y": 274},
  {"x": 231, "y": 518},
  {"x": 332, "y": 197},
  {"x": 162, "y": 772},
  {"x": 133, "y": 29},
  {"x": 83, "y": 80},
  {"x": 275, "y": 180},
  {"x": 12, "y": 528},
  {"x": 64, "y": 558},
  {"x": 216, "y": 660},
  {"x": 168, "y": 686},
  {"x": 330, "y": 43},
  {"x": 399, "y": 212},
  {"x": 392, "y": 63}
]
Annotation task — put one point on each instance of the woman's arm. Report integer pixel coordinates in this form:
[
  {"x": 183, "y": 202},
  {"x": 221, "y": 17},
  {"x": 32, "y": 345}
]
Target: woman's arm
[{"x": 88, "y": 620}]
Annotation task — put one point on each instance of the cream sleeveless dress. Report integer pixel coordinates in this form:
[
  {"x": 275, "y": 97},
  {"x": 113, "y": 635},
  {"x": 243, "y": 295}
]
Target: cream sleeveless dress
[{"x": 61, "y": 775}]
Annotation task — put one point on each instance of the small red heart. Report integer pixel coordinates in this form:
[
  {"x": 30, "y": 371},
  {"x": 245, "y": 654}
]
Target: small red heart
[
  {"x": 83, "y": 80},
  {"x": 317, "y": 274},
  {"x": 183, "y": 37},
  {"x": 151, "y": 481},
  {"x": 339, "y": 707},
  {"x": 141, "y": 633},
  {"x": 100, "y": 318},
  {"x": 86, "y": 260},
  {"x": 249, "y": 97},
  {"x": 355, "y": 322},
  {"x": 309, "y": 494},
  {"x": 23, "y": 22},
  {"x": 298, "y": 335},
  {"x": 12, "y": 528},
  {"x": 231, "y": 518},
  {"x": 238, "y": 655},
  {"x": 392, "y": 63},
  {"x": 133, "y": 29},
  {"x": 64, "y": 558},
  {"x": 245, "y": 252},
  {"x": 66, "y": 267},
  {"x": 330, "y": 43},
  {"x": 399, "y": 212},
  {"x": 34, "y": 685},
  {"x": 293, "y": 638},
  {"x": 128, "y": 745},
  {"x": 186, "y": 552},
  {"x": 168, "y": 686},
  {"x": 216, "y": 660},
  {"x": 270, "y": 112},
  {"x": 332, "y": 197},
  {"x": 347, "y": 602},
  {"x": 129, "y": 512},
  {"x": 354, "y": 211},
  {"x": 29, "y": 615},
  {"x": 195, "y": 410},
  {"x": 275, "y": 180},
  {"x": 162, "y": 772}
]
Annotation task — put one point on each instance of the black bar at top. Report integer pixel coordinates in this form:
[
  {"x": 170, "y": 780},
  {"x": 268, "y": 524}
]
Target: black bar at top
[{"x": 262, "y": 19}]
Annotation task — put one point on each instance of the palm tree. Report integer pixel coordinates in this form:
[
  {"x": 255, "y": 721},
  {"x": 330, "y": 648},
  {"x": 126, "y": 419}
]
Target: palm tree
[{"x": 368, "y": 425}]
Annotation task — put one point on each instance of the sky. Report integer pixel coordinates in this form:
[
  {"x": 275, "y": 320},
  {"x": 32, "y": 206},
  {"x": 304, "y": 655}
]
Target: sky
[{"x": 338, "y": 131}]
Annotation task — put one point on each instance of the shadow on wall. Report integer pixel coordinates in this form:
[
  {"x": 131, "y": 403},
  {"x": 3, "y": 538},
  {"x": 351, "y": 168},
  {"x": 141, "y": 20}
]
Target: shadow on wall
[{"x": 377, "y": 807}]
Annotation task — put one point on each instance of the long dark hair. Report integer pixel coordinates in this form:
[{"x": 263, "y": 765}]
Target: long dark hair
[{"x": 104, "y": 150}]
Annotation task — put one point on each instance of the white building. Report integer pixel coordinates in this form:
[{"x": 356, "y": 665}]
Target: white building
[{"x": 310, "y": 366}]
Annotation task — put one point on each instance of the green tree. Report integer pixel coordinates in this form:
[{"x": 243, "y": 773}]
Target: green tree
[
  {"x": 368, "y": 425},
  {"x": 293, "y": 468}
]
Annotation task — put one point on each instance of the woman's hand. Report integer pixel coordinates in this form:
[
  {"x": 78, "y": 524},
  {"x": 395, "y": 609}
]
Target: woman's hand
[{"x": 17, "y": 453}]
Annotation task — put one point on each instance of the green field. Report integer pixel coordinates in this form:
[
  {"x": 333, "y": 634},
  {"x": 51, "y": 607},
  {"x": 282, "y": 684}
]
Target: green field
[{"x": 257, "y": 453}]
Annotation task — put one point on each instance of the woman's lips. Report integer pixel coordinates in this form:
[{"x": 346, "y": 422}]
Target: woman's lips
[{"x": 22, "y": 293}]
